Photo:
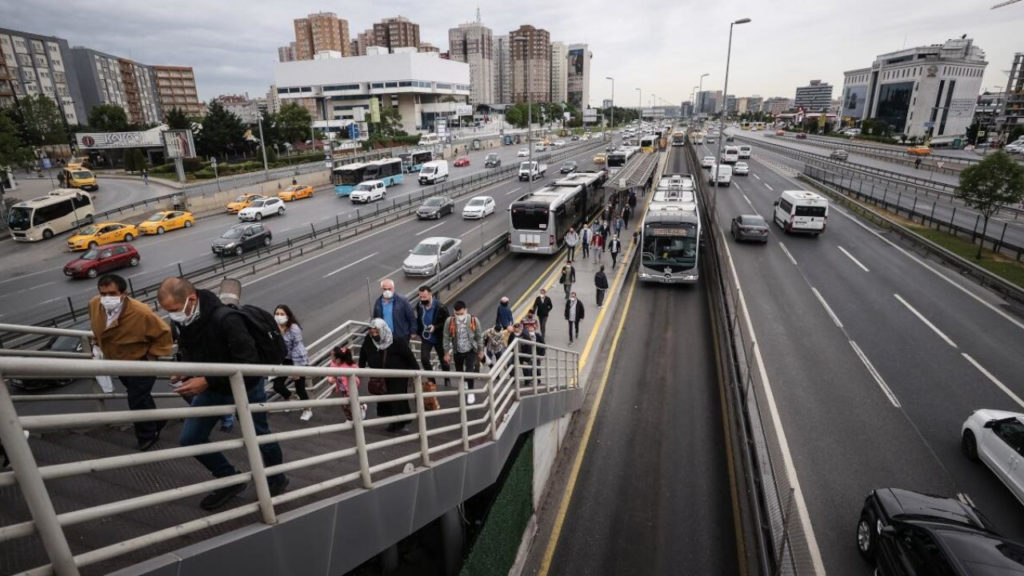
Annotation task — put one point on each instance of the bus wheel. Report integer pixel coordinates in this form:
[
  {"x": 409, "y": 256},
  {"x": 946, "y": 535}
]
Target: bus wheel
[{"x": 47, "y": 234}]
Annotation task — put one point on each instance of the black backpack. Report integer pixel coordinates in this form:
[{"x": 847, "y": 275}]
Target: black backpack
[{"x": 270, "y": 345}]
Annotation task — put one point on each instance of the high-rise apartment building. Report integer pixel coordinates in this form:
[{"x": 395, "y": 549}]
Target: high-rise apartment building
[
  {"x": 815, "y": 97},
  {"x": 502, "y": 69},
  {"x": 107, "y": 79},
  {"x": 286, "y": 53},
  {"x": 559, "y": 72},
  {"x": 362, "y": 41},
  {"x": 530, "y": 64},
  {"x": 36, "y": 64},
  {"x": 176, "y": 88},
  {"x": 578, "y": 72},
  {"x": 319, "y": 32},
  {"x": 397, "y": 32},
  {"x": 777, "y": 105},
  {"x": 1013, "y": 108},
  {"x": 473, "y": 43}
]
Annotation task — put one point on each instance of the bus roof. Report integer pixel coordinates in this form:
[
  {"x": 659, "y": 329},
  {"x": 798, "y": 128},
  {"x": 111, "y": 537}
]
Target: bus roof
[
  {"x": 56, "y": 195},
  {"x": 352, "y": 166},
  {"x": 384, "y": 161},
  {"x": 551, "y": 196},
  {"x": 579, "y": 178}
]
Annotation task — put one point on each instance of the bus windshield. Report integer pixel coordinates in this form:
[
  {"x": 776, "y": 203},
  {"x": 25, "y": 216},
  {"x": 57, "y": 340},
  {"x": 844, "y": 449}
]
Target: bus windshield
[
  {"x": 674, "y": 246},
  {"x": 528, "y": 218},
  {"x": 349, "y": 177},
  {"x": 19, "y": 218}
]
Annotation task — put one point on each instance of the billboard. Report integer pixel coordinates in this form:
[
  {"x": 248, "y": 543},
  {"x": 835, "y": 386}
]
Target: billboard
[
  {"x": 179, "y": 144},
  {"x": 106, "y": 140},
  {"x": 854, "y": 101},
  {"x": 375, "y": 110}
]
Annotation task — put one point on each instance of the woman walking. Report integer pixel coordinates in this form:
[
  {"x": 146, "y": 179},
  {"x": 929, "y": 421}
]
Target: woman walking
[
  {"x": 292, "y": 333},
  {"x": 381, "y": 350},
  {"x": 341, "y": 357}
]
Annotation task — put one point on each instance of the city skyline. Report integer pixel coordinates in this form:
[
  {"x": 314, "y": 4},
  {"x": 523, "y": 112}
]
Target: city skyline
[{"x": 663, "y": 49}]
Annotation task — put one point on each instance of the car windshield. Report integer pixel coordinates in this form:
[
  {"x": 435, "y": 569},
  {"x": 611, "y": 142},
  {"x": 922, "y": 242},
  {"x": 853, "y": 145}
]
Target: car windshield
[
  {"x": 156, "y": 217},
  {"x": 296, "y": 188},
  {"x": 256, "y": 204},
  {"x": 88, "y": 230},
  {"x": 91, "y": 255},
  {"x": 425, "y": 249},
  {"x": 232, "y": 233},
  {"x": 492, "y": 156},
  {"x": 569, "y": 165},
  {"x": 434, "y": 202},
  {"x": 363, "y": 187},
  {"x": 477, "y": 202},
  {"x": 741, "y": 164},
  {"x": 81, "y": 174},
  {"x": 18, "y": 218},
  {"x": 241, "y": 198}
]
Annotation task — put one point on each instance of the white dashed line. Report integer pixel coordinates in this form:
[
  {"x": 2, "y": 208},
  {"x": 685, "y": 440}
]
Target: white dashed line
[
  {"x": 925, "y": 320},
  {"x": 855, "y": 261},
  {"x": 513, "y": 191},
  {"x": 766, "y": 185},
  {"x": 788, "y": 255},
  {"x": 425, "y": 230},
  {"x": 874, "y": 374},
  {"x": 828, "y": 308},
  {"x": 756, "y": 176},
  {"x": 994, "y": 380},
  {"x": 347, "y": 266}
]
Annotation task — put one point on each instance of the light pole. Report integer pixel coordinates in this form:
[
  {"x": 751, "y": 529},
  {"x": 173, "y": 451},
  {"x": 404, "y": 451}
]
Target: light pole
[
  {"x": 721, "y": 119},
  {"x": 640, "y": 108},
  {"x": 700, "y": 90},
  {"x": 529, "y": 113},
  {"x": 693, "y": 103},
  {"x": 611, "y": 123},
  {"x": 263, "y": 145}
]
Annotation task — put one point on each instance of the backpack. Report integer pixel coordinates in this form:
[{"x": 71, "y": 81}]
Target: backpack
[
  {"x": 451, "y": 325},
  {"x": 270, "y": 345}
]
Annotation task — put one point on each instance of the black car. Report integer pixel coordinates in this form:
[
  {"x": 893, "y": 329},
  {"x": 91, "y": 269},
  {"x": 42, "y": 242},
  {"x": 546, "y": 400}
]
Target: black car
[
  {"x": 492, "y": 160},
  {"x": 907, "y": 532},
  {"x": 435, "y": 207},
  {"x": 64, "y": 344},
  {"x": 568, "y": 167},
  {"x": 242, "y": 237}
]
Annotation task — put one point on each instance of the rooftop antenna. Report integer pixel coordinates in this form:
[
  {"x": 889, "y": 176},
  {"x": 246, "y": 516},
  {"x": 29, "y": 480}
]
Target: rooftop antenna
[
  {"x": 477, "y": 14},
  {"x": 1007, "y": 3}
]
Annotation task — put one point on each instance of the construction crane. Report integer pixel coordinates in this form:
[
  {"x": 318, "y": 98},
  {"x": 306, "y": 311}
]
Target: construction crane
[{"x": 1007, "y": 3}]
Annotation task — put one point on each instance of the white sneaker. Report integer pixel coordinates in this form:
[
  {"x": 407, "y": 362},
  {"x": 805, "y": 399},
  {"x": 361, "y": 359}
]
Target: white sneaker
[
  {"x": 471, "y": 398},
  {"x": 306, "y": 415}
]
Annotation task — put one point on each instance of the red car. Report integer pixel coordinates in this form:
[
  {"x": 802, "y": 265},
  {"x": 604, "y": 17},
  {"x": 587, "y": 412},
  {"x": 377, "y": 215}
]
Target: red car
[
  {"x": 102, "y": 259},
  {"x": 459, "y": 162},
  {"x": 801, "y": 136}
]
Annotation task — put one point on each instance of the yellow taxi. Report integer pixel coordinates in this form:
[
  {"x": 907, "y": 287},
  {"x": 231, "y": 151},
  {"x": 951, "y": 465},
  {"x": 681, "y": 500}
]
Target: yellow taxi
[
  {"x": 242, "y": 202},
  {"x": 296, "y": 192},
  {"x": 102, "y": 233},
  {"x": 919, "y": 150},
  {"x": 169, "y": 220},
  {"x": 75, "y": 175},
  {"x": 600, "y": 158}
]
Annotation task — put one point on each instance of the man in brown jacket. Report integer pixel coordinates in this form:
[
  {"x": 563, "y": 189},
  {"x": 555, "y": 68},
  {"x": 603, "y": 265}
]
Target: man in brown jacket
[{"x": 126, "y": 329}]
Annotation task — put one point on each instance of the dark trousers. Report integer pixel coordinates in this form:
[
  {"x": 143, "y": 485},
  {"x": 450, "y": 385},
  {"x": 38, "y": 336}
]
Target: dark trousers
[
  {"x": 586, "y": 249},
  {"x": 615, "y": 255},
  {"x": 570, "y": 252},
  {"x": 197, "y": 431},
  {"x": 425, "y": 348},
  {"x": 600, "y": 296},
  {"x": 568, "y": 289},
  {"x": 140, "y": 397},
  {"x": 574, "y": 327},
  {"x": 280, "y": 384},
  {"x": 467, "y": 362},
  {"x": 543, "y": 324}
]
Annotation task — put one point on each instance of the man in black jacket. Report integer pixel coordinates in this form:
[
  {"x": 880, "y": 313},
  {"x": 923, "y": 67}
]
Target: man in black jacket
[
  {"x": 543, "y": 306},
  {"x": 430, "y": 316},
  {"x": 601, "y": 284},
  {"x": 209, "y": 331},
  {"x": 574, "y": 315}
]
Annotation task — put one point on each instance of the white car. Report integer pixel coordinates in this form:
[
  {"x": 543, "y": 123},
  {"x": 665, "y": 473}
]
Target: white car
[
  {"x": 523, "y": 152},
  {"x": 558, "y": 143},
  {"x": 478, "y": 207},
  {"x": 368, "y": 191},
  {"x": 432, "y": 255},
  {"x": 707, "y": 162},
  {"x": 741, "y": 169},
  {"x": 260, "y": 208},
  {"x": 996, "y": 438}
]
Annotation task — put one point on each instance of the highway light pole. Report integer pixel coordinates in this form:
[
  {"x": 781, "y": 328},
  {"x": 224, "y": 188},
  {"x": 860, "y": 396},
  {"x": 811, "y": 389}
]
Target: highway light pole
[
  {"x": 640, "y": 108},
  {"x": 700, "y": 91},
  {"x": 263, "y": 145},
  {"x": 611, "y": 123},
  {"x": 721, "y": 119}
]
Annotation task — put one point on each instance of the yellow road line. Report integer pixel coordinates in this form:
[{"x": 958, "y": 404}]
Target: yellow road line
[
  {"x": 600, "y": 315},
  {"x": 577, "y": 464},
  {"x": 530, "y": 290}
]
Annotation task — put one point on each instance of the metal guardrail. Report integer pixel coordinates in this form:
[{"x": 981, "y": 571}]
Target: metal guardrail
[{"x": 895, "y": 152}]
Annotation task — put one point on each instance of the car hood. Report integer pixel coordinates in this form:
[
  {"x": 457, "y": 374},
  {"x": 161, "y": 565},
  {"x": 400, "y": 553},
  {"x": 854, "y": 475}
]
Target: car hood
[
  {"x": 249, "y": 210},
  {"x": 78, "y": 264},
  {"x": 473, "y": 208},
  {"x": 226, "y": 241},
  {"x": 416, "y": 261},
  {"x": 428, "y": 209},
  {"x": 900, "y": 502}
]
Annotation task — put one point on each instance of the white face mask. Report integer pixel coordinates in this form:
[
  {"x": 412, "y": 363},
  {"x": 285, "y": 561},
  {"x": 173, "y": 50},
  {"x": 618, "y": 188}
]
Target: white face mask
[
  {"x": 185, "y": 318},
  {"x": 110, "y": 303},
  {"x": 281, "y": 319},
  {"x": 387, "y": 294}
]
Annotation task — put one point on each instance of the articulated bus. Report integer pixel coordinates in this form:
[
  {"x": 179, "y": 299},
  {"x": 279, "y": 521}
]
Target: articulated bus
[
  {"x": 670, "y": 233},
  {"x": 539, "y": 221},
  {"x": 46, "y": 216},
  {"x": 387, "y": 170},
  {"x": 649, "y": 144},
  {"x": 346, "y": 177},
  {"x": 413, "y": 160}
]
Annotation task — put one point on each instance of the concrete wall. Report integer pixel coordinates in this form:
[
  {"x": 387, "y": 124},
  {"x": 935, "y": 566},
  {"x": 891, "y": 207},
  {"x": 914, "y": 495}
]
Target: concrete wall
[{"x": 217, "y": 201}]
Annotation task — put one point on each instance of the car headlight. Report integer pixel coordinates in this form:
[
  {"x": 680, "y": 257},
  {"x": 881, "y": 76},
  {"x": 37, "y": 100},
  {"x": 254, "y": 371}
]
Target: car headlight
[{"x": 230, "y": 245}]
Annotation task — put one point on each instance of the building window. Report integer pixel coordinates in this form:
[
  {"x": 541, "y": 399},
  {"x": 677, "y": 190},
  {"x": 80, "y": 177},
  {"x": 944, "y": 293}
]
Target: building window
[
  {"x": 405, "y": 84},
  {"x": 377, "y": 85}
]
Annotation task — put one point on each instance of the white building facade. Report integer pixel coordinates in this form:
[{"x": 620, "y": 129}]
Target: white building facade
[{"x": 559, "y": 72}]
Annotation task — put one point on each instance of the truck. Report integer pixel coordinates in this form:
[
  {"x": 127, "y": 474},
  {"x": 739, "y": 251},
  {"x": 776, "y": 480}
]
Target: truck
[{"x": 532, "y": 170}]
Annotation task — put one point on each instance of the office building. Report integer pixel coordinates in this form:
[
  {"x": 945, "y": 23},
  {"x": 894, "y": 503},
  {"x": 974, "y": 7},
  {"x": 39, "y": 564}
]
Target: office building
[
  {"x": 502, "y": 70},
  {"x": 362, "y": 41},
  {"x": 273, "y": 102},
  {"x": 107, "y": 79},
  {"x": 286, "y": 53},
  {"x": 36, "y": 64},
  {"x": 559, "y": 72},
  {"x": 815, "y": 97},
  {"x": 731, "y": 108},
  {"x": 397, "y": 32},
  {"x": 531, "y": 64},
  {"x": 686, "y": 109},
  {"x": 925, "y": 91},
  {"x": 578, "y": 82},
  {"x": 176, "y": 88},
  {"x": 709, "y": 102},
  {"x": 1013, "y": 110},
  {"x": 473, "y": 43},
  {"x": 319, "y": 32},
  {"x": 777, "y": 105}
]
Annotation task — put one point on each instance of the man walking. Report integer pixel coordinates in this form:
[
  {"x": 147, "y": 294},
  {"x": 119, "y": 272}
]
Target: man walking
[
  {"x": 431, "y": 315},
  {"x": 601, "y": 284},
  {"x": 567, "y": 277},
  {"x": 503, "y": 315},
  {"x": 395, "y": 310},
  {"x": 585, "y": 237},
  {"x": 571, "y": 240},
  {"x": 464, "y": 342},
  {"x": 543, "y": 306},
  {"x": 613, "y": 247},
  {"x": 573, "y": 314},
  {"x": 126, "y": 329}
]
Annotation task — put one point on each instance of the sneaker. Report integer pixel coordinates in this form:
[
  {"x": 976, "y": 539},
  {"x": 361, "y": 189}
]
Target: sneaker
[
  {"x": 278, "y": 488},
  {"x": 306, "y": 415},
  {"x": 362, "y": 410},
  {"x": 471, "y": 398},
  {"x": 220, "y": 496},
  {"x": 147, "y": 443},
  {"x": 227, "y": 424}
]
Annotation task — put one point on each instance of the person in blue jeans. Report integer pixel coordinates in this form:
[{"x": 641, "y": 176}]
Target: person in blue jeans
[{"x": 209, "y": 331}]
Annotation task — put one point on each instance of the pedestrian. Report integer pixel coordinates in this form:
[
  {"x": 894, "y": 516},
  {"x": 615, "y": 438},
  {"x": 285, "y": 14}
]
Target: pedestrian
[
  {"x": 145, "y": 176},
  {"x": 291, "y": 331},
  {"x": 571, "y": 240},
  {"x": 631, "y": 200},
  {"x": 504, "y": 313},
  {"x": 218, "y": 334},
  {"x": 619, "y": 225},
  {"x": 126, "y": 329},
  {"x": 464, "y": 342},
  {"x": 530, "y": 354},
  {"x": 530, "y": 320},
  {"x": 626, "y": 213},
  {"x": 341, "y": 357},
  {"x": 431, "y": 314},
  {"x": 601, "y": 284},
  {"x": 495, "y": 341},
  {"x": 597, "y": 246},
  {"x": 613, "y": 247},
  {"x": 586, "y": 235},
  {"x": 381, "y": 350},
  {"x": 567, "y": 277},
  {"x": 396, "y": 311},
  {"x": 917, "y": 163},
  {"x": 543, "y": 306},
  {"x": 573, "y": 314}
]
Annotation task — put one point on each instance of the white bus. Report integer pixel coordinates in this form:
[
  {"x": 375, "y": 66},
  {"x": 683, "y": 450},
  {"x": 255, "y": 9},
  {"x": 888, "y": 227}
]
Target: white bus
[
  {"x": 46, "y": 216},
  {"x": 670, "y": 234},
  {"x": 539, "y": 221},
  {"x": 801, "y": 211}
]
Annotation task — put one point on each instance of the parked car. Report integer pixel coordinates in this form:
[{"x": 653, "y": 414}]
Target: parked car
[
  {"x": 801, "y": 135},
  {"x": 435, "y": 207},
  {"x": 749, "y": 227},
  {"x": 600, "y": 158},
  {"x": 460, "y": 162},
  {"x": 839, "y": 154},
  {"x": 168, "y": 220},
  {"x": 568, "y": 167},
  {"x": 242, "y": 237},
  {"x": 707, "y": 162},
  {"x": 432, "y": 255},
  {"x": 103, "y": 233},
  {"x": 523, "y": 152},
  {"x": 296, "y": 192},
  {"x": 478, "y": 207},
  {"x": 262, "y": 208},
  {"x": 741, "y": 169},
  {"x": 996, "y": 439},
  {"x": 370, "y": 190},
  {"x": 55, "y": 344},
  {"x": 919, "y": 150},
  {"x": 905, "y": 532},
  {"x": 492, "y": 160},
  {"x": 241, "y": 202},
  {"x": 96, "y": 261}
]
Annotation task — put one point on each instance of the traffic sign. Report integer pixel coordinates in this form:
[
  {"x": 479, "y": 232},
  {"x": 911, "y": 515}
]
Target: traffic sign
[{"x": 353, "y": 131}]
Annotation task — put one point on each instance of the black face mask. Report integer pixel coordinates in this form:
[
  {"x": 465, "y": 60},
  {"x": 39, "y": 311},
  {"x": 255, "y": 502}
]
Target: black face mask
[{"x": 425, "y": 302}]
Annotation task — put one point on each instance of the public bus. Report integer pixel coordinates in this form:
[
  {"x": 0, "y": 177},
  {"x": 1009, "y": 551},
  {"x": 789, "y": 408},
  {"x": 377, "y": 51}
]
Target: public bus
[
  {"x": 413, "y": 160},
  {"x": 346, "y": 177},
  {"x": 649, "y": 143},
  {"x": 679, "y": 138},
  {"x": 539, "y": 220},
  {"x": 46, "y": 216},
  {"x": 697, "y": 137},
  {"x": 670, "y": 234},
  {"x": 621, "y": 155},
  {"x": 744, "y": 124},
  {"x": 387, "y": 170}
]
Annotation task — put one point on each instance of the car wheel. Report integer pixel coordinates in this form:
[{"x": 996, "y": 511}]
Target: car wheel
[
  {"x": 93, "y": 244},
  {"x": 280, "y": 211},
  {"x": 259, "y": 216},
  {"x": 160, "y": 231},
  {"x": 88, "y": 218},
  {"x": 383, "y": 196},
  {"x": 133, "y": 262},
  {"x": 266, "y": 241},
  {"x": 969, "y": 445},
  {"x": 188, "y": 223},
  {"x": 128, "y": 237},
  {"x": 92, "y": 273},
  {"x": 866, "y": 535},
  {"x": 239, "y": 250}
]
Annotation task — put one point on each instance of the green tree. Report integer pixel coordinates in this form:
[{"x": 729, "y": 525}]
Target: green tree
[
  {"x": 995, "y": 181},
  {"x": 134, "y": 160},
  {"x": 222, "y": 133},
  {"x": 292, "y": 122},
  {"x": 390, "y": 123},
  {"x": 40, "y": 121},
  {"x": 13, "y": 150},
  {"x": 177, "y": 120},
  {"x": 108, "y": 118}
]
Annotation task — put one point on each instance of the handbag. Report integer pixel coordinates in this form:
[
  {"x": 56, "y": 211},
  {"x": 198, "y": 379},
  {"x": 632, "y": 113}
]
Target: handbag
[{"x": 376, "y": 385}]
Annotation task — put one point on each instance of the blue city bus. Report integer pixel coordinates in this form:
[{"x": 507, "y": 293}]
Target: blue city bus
[
  {"x": 387, "y": 170},
  {"x": 346, "y": 177},
  {"x": 413, "y": 160}
]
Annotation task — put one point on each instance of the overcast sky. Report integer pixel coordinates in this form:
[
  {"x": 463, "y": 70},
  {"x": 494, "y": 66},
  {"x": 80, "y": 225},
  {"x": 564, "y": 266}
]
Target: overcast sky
[{"x": 660, "y": 46}]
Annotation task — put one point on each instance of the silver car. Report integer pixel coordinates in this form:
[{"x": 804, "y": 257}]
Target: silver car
[
  {"x": 749, "y": 227},
  {"x": 432, "y": 255}
]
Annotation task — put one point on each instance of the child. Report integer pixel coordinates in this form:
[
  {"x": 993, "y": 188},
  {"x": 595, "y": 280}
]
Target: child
[{"x": 341, "y": 357}]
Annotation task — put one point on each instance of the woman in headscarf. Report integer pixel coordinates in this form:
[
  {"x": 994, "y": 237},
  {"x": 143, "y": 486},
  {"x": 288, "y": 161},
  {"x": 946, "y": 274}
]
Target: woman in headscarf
[{"x": 382, "y": 350}]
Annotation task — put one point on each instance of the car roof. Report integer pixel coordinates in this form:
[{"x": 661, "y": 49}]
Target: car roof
[
  {"x": 435, "y": 240},
  {"x": 370, "y": 182},
  {"x": 980, "y": 553}
]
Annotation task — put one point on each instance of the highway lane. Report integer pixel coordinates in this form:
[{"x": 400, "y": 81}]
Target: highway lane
[{"x": 845, "y": 433}]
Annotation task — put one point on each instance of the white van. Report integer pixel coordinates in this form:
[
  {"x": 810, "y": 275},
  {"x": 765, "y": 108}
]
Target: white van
[
  {"x": 724, "y": 172},
  {"x": 801, "y": 211},
  {"x": 429, "y": 140},
  {"x": 434, "y": 172},
  {"x": 744, "y": 152},
  {"x": 730, "y": 155}
]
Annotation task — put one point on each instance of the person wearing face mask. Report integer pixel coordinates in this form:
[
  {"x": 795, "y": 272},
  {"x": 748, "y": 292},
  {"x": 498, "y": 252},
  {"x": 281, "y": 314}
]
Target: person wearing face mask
[
  {"x": 396, "y": 311},
  {"x": 126, "y": 329},
  {"x": 292, "y": 333},
  {"x": 211, "y": 332},
  {"x": 431, "y": 315},
  {"x": 530, "y": 355},
  {"x": 542, "y": 306},
  {"x": 504, "y": 313},
  {"x": 574, "y": 315},
  {"x": 464, "y": 342},
  {"x": 382, "y": 350}
]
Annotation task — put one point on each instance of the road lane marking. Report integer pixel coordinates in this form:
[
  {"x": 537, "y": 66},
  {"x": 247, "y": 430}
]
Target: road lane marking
[
  {"x": 23, "y": 276},
  {"x": 513, "y": 191},
  {"x": 828, "y": 308},
  {"x": 993, "y": 379},
  {"x": 874, "y": 374},
  {"x": 788, "y": 255},
  {"x": 925, "y": 320},
  {"x": 425, "y": 230},
  {"x": 347, "y": 266},
  {"x": 749, "y": 203},
  {"x": 756, "y": 176},
  {"x": 768, "y": 186},
  {"x": 855, "y": 261},
  {"x": 474, "y": 230},
  {"x": 390, "y": 275}
]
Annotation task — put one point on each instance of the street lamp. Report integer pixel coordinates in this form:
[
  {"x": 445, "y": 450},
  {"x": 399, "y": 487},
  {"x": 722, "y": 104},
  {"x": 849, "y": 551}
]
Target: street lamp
[
  {"x": 700, "y": 90},
  {"x": 263, "y": 145},
  {"x": 721, "y": 119},
  {"x": 693, "y": 102},
  {"x": 640, "y": 108},
  {"x": 612, "y": 121}
]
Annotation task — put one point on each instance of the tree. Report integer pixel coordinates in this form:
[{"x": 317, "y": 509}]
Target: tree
[
  {"x": 222, "y": 132},
  {"x": 390, "y": 123},
  {"x": 40, "y": 121},
  {"x": 995, "y": 181},
  {"x": 292, "y": 122},
  {"x": 134, "y": 160},
  {"x": 177, "y": 120},
  {"x": 13, "y": 151},
  {"x": 108, "y": 118}
]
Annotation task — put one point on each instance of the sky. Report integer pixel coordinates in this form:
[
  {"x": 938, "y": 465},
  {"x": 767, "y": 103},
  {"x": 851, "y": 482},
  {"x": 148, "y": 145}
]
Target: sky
[{"x": 661, "y": 47}]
